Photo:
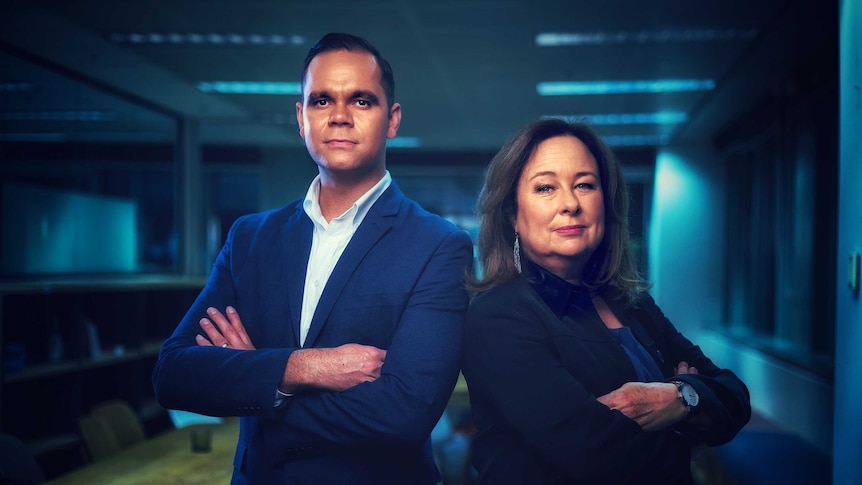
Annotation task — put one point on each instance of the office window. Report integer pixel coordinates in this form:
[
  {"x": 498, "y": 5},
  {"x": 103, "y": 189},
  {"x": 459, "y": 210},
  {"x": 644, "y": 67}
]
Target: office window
[{"x": 782, "y": 162}]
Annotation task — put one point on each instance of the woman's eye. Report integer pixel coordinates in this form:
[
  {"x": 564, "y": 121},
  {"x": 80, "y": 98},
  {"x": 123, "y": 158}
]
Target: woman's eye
[
  {"x": 544, "y": 188},
  {"x": 585, "y": 186}
]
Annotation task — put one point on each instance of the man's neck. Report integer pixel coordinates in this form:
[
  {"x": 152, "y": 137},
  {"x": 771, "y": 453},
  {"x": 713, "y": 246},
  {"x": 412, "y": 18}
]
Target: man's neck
[{"x": 337, "y": 195}]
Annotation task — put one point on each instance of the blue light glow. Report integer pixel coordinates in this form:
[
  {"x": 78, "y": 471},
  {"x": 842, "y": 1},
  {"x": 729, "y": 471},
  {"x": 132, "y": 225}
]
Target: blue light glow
[
  {"x": 404, "y": 142},
  {"x": 557, "y": 39},
  {"x": 245, "y": 87},
  {"x": 660, "y": 118},
  {"x": 636, "y": 140},
  {"x": 580, "y": 88}
]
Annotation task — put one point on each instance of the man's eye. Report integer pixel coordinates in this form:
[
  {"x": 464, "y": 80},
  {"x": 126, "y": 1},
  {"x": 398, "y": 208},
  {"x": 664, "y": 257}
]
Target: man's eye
[
  {"x": 363, "y": 102},
  {"x": 319, "y": 102}
]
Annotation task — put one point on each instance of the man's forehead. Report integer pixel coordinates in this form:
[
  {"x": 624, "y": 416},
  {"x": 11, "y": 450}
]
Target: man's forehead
[{"x": 344, "y": 67}]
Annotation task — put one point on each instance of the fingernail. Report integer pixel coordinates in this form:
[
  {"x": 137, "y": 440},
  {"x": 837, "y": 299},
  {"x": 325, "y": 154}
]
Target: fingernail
[
  {"x": 204, "y": 321},
  {"x": 230, "y": 309},
  {"x": 211, "y": 310}
]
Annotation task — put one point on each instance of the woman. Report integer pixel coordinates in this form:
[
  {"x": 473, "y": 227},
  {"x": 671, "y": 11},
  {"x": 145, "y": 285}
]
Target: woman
[{"x": 575, "y": 375}]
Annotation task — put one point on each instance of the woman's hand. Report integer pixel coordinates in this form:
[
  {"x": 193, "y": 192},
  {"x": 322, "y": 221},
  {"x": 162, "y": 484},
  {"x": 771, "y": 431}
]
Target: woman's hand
[
  {"x": 653, "y": 405},
  {"x": 229, "y": 334}
]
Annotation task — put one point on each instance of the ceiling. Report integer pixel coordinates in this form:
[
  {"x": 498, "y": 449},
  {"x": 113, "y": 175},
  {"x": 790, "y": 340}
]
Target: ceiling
[{"x": 466, "y": 71}]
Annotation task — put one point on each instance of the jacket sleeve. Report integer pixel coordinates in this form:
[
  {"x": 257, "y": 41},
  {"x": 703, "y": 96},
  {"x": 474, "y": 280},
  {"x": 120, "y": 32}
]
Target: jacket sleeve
[
  {"x": 422, "y": 363},
  {"x": 519, "y": 387},
  {"x": 724, "y": 406},
  {"x": 211, "y": 380}
]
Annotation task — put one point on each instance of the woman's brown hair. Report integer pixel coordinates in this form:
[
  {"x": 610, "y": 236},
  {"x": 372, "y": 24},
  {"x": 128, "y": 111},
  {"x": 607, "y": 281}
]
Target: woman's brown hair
[{"x": 611, "y": 267}]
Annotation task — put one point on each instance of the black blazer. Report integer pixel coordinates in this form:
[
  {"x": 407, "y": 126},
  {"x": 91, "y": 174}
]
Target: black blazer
[{"x": 534, "y": 378}]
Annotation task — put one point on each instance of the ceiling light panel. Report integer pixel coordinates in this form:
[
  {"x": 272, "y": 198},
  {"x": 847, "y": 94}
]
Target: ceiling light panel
[
  {"x": 585, "y": 88},
  {"x": 173, "y": 38},
  {"x": 557, "y": 39},
  {"x": 248, "y": 87},
  {"x": 660, "y": 118}
]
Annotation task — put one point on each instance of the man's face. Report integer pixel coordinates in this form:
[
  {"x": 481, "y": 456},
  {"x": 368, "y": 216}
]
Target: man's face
[{"x": 344, "y": 115}]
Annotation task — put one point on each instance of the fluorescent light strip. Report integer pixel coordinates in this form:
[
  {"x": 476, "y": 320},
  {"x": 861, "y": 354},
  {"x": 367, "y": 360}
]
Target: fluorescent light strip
[
  {"x": 660, "y": 118},
  {"x": 404, "y": 142},
  {"x": 636, "y": 140},
  {"x": 58, "y": 116},
  {"x": 158, "y": 38},
  {"x": 244, "y": 87},
  {"x": 580, "y": 88},
  {"x": 557, "y": 39}
]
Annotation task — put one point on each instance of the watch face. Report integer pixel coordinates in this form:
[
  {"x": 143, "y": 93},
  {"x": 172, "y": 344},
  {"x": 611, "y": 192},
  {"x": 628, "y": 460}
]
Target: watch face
[{"x": 689, "y": 394}]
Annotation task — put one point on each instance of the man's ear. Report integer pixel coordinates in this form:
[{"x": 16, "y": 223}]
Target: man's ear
[
  {"x": 299, "y": 119},
  {"x": 394, "y": 121}
]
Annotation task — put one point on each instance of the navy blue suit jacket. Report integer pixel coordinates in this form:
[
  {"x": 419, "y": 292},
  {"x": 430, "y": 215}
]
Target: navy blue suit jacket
[{"x": 397, "y": 286}]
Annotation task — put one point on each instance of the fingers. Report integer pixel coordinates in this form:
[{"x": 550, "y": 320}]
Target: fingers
[
  {"x": 202, "y": 341},
  {"x": 236, "y": 323},
  {"x": 213, "y": 336},
  {"x": 683, "y": 368}
]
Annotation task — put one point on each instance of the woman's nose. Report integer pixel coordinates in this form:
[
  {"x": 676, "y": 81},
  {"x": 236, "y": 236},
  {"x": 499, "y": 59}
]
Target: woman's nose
[{"x": 571, "y": 203}]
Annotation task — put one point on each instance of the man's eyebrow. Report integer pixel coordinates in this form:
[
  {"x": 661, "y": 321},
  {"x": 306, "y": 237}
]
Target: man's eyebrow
[
  {"x": 364, "y": 94},
  {"x": 318, "y": 94}
]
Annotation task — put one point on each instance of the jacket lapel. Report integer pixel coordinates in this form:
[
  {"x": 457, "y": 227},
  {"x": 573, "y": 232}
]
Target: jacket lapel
[{"x": 376, "y": 224}]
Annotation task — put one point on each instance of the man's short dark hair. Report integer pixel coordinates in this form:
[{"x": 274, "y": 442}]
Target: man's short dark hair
[{"x": 335, "y": 41}]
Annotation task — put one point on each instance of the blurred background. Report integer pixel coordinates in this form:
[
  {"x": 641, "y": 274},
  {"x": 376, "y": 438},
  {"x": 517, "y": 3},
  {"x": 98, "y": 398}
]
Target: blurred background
[{"x": 132, "y": 134}]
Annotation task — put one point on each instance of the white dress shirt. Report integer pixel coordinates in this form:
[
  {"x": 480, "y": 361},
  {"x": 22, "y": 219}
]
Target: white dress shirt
[{"x": 328, "y": 242}]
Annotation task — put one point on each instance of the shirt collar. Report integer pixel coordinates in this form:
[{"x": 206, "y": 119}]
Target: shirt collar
[
  {"x": 556, "y": 292},
  {"x": 359, "y": 209}
]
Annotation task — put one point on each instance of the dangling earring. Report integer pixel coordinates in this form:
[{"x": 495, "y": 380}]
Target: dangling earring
[{"x": 517, "y": 252}]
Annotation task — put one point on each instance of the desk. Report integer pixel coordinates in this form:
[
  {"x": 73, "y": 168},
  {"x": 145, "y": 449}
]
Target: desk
[{"x": 164, "y": 459}]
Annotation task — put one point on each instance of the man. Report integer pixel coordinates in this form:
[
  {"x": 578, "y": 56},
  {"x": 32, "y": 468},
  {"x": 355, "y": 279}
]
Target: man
[{"x": 351, "y": 299}]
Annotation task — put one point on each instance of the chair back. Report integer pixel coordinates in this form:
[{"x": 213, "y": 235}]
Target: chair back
[
  {"x": 123, "y": 421},
  {"x": 17, "y": 464},
  {"x": 98, "y": 436}
]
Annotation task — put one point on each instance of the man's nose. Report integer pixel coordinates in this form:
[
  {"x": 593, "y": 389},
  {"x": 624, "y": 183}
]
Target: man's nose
[{"x": 340, "y": 115}]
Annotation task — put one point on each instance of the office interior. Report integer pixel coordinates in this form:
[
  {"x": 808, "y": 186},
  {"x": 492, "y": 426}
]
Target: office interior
[{"x": 132, "y": 135}]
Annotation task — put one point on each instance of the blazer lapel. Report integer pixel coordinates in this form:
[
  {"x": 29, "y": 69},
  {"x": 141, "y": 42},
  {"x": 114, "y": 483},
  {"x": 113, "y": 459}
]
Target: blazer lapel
[
  {"x": 296, "y": 248},
  {"x": 377, "y": 222}
]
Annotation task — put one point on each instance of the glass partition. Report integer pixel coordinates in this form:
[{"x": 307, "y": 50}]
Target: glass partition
[{"x": 88, "y": 177}]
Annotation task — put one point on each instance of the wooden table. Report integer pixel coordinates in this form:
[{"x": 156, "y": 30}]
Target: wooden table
[{"x": 165, "y": 459}]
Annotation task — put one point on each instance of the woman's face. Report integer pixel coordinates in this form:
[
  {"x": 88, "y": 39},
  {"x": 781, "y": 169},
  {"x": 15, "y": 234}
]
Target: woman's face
[{"x": 561, "y": 212}]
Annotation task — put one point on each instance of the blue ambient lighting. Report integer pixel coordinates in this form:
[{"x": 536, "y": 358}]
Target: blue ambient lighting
[
  {"x": 243, "y": 87},
  {"x": 660, "y": 118},
  {"x": 404, "y": 142},
  {"x": 636, "y": 140},
  {"x": 89, "y": 115},
  {"x": 557, "y": 39},
  {"x": 578, "y": 88},
  {"x": 207, "y": 39}
]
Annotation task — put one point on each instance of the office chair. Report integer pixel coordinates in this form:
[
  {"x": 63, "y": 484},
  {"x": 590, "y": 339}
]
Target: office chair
[
  {"x": 122, "y": 420},
  {"x": 100, "y": 440}
]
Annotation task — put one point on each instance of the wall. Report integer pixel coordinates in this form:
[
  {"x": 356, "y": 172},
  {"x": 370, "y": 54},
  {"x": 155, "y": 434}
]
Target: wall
[
  {"x": 847, "y": 468},
  {"x": 686, "y": 260},
  {"x": 686, "y": 236}
]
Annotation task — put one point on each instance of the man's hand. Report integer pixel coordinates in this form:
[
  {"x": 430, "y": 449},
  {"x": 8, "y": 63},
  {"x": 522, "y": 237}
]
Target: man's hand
[
  {"x": 229, "y": 334},
  {"x": 653, "y": 405},
  {"x": 332, "y": 369}
]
